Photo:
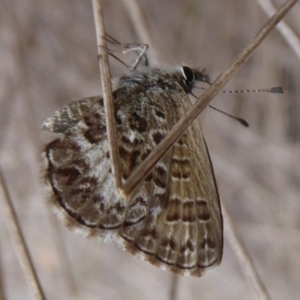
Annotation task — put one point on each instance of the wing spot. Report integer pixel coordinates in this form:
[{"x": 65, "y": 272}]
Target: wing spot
[
  {"x": 188, "y": 212},
  {"x": 151, "y": 233},
  {"x": 123, "y": 153},
  {"x": 145, "y": 154},
  {"x": 188, "y": 246},
  {"x": 201, "y": 202},
  {"x": 169, "y": 243},
  {"x": 176, "y": 174},
  {"x": 119, "y": 120},
  {"x": 92, "y": 118},
  {"x": 99, "y": 199},
  {"x": 160, "y": 114},
  {"x": 208, "y": 243},
  {"x": 134, "y": 155},
  {"x": 159, "y": 183},
  {"x": 160, "y": 170},
  {"x": 94, "y": 135},
  {"x": 116, "y": 208},
  {"x": 203, "y": 216},
  {"x": 157, "y": 137},
  {"x": 140, "y": 200},
  {"x": 202, "y": 210},
  {"x": 125, "y": 140},
  {"x": 149, "y": 178},
  {"x": 174, "y": 210},
  {"x": 137, "y": 123},
  {"x": 186, "y": 175},
  {"x": 182, "y": 140},
  {"x": 69, "y": 174}
]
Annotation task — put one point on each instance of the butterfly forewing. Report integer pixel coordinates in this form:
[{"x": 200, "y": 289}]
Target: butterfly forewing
[{"x": 173, "y": 219}]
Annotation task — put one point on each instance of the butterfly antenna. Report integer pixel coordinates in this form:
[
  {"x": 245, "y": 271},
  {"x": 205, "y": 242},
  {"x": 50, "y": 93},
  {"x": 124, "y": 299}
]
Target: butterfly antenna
[
  {"x": 242, "y": 121},
  {"x": 275, "y": 90}
]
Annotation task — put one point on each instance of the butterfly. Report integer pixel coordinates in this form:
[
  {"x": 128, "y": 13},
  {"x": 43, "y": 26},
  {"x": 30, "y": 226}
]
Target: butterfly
[{"x": 173, "y": 220}]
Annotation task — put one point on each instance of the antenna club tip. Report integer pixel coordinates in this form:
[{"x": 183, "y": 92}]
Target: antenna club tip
[
  {"x": 279, "y": 90},
  {"x": 243, "y": 122}
]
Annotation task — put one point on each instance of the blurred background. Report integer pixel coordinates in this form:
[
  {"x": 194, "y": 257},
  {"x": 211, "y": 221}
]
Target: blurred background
[{"x": 49, "y": 57}]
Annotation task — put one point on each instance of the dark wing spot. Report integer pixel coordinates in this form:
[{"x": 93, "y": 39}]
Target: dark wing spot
[
  {"x": 208, "y": 243},
  {"x": 182, "y": 161},
  {"x": 190, "y": 246},
  {"x": 160, "y": 114},
  {"x": 92, "y": 119},
  {"x": 98, "y": 199},
  {"x": 182, "y": 140},
  {"x": 94, "y": 135},
  {"x": 133, "y": 158},
  {"x": 176, "y": 174},
  {"x": 145, "y": 154},
  {"x": 160, "y": 170},
  {"x": 202, "y": 210},
  {"x": 169, "y": 243},
  {"x": 137, "y": 123},
  {"x": 201, "y": 202},
  {"x": 203, "y": 216},
  {"x": 174, "y": 210},
  {"x": 186, "y": 175},
  {"x": 157, "y": 137},
  {"x": 140, "y": 201},
  {"x": 149, "y": 177},
  {"x": 67, "y": 175},
  {"x": 151, "y": 233},
  {"x": 123, "y": 153},
  {"x": 125, "y": 139},
  {"x": 188, "y": 212},
  {"x": 159, "y": 183},
  {"x": 119, "y": 120}
]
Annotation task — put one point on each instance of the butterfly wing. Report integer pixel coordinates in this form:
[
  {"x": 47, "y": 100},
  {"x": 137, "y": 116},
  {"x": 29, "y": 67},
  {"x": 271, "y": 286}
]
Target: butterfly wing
[
  {"x": 174, "y": 219},
  {"x": 182, "y": 228}
]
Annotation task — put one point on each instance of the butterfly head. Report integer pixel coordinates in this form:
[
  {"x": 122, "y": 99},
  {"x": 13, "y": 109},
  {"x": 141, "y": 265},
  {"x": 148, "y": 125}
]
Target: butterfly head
[{"x": 190, "y": 76}]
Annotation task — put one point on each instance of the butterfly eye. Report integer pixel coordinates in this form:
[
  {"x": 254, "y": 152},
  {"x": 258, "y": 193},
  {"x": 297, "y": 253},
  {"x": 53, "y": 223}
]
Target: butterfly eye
[{"x": 188, "y": 74}]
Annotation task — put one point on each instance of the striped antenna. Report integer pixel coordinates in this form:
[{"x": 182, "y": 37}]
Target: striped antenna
[{"x": 276, "y": 90}]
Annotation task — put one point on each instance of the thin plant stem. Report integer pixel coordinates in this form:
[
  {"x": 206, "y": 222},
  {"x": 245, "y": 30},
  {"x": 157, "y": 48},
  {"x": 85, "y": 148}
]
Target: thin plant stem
[
  {"x": 243, "y": 257},
  {"x": 13, "y": 226},
  {"x": 174, "y": 287},
  {"x": 107, "y": 92},
  {"x": 286, "y": 31}
]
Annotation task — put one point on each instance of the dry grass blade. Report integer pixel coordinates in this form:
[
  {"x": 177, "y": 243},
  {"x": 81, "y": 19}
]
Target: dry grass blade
[
  {"x": 68, "y": 276},
  {"x": 243, "y": 257},
  {"x": 174, "y": 287},
  {"x": 2, "y": 290},
  {"x": 286, "y": 31},
  {"x": 13, "y": 226},
  {"x": 107, "y": 91},
  {"x": 145, "y": 168}
]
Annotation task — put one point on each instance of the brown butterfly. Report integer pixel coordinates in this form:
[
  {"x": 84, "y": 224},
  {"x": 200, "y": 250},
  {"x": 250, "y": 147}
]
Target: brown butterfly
[{"x": 173, "y": 220}]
